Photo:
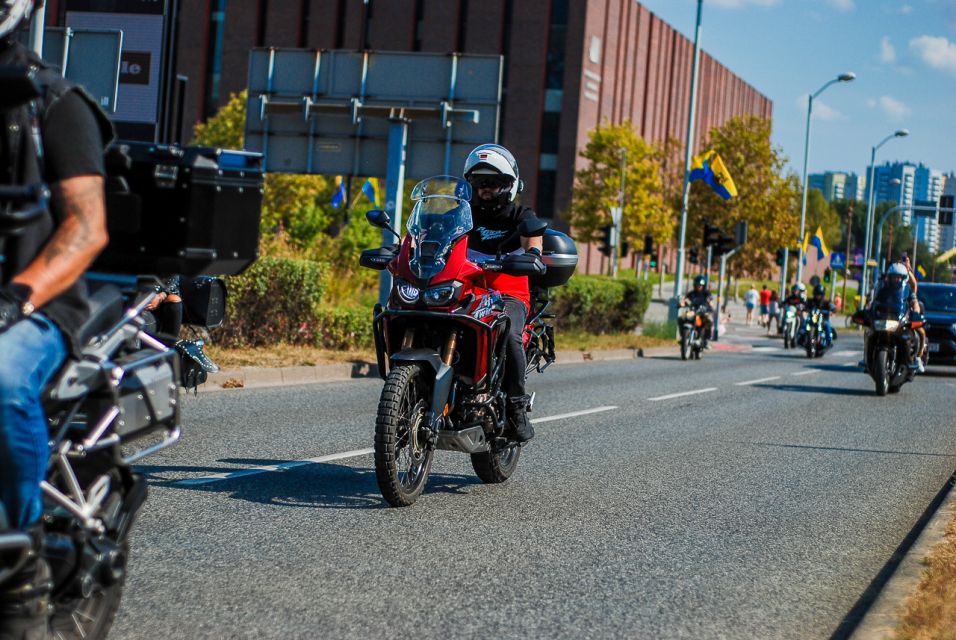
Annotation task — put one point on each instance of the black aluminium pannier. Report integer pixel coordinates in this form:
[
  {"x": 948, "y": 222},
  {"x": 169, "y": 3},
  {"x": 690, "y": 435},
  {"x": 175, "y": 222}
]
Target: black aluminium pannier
[
  {"x": 560, "y": 254},
  {"x": 181, "y": 210}
]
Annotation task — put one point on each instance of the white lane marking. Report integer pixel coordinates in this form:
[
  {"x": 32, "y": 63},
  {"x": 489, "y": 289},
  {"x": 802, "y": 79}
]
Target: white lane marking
[
  {"x": 191, "y": 482},
  {"x": 765, "y": 349},
  {"x": 806, "y": 372},
  {"x": 269, "y": 468},
  {"x": 573, "y": 414},
  {"x": 683, "y": 393},
  {"x": 757, "y": 381},
  {"x": 846, "y": 354},
  {"x": 851, "y": 364}
]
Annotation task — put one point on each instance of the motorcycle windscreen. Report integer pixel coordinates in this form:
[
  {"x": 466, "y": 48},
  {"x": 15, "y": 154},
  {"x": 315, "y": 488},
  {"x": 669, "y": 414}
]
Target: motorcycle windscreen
[
  {"x": 890, "y": 300},
  {"x": 441, "y": 216}
]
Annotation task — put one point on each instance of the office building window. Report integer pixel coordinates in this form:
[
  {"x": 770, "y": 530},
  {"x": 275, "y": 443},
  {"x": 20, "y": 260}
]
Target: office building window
[
  {"x": 547, "y": 181},
  {"x": 217, "y": 21}
]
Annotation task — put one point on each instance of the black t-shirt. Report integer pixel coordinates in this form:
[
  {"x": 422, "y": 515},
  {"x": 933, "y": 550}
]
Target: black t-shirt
[
  {"x": 823, "y": 305},
  {"x": 700, "y": 298},
  {"x": 72, "y": 140},
  {"x": 491, "y": 228}
]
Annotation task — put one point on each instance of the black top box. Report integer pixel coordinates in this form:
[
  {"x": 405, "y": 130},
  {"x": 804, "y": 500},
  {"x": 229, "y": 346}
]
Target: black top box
[
  {"x": 181, "y": 210},
  {"x": 560, "y": 254}
]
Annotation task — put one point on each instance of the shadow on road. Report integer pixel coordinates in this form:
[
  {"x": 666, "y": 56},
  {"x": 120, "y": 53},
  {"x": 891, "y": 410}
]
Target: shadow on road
[
  {"x": 808, "y": 389},
  {"x": 783, "y": 445},
  {"x": 935, "y": 372},
  {"x": 317, "y": 485}
]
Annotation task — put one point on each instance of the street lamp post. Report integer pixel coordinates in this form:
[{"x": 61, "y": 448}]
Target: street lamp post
[
  {"x": 901, "y": 133},
  {"x": 843, "y": 77}
]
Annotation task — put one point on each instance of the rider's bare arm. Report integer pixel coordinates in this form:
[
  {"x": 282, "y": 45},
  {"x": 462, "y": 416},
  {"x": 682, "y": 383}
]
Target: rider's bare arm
[
  {"x": 76, "y": 242},
  {"x": 527, "y": 243}
]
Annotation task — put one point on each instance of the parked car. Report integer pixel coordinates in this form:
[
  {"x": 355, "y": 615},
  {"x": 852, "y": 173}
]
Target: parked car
[{"x": 939, "y": 302}]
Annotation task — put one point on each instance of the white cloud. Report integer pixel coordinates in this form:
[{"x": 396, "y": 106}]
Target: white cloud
[
  {"x": 871, "y": 103},
  {"x": 739, "y": 4},
  {"x": 887, "y": 52},
  {"x": 893, "y": 108},
  {"x": 842, "y": 5},
  {"x": 906, "y": 8},
  {"x": 936, "y": 51},
  {"x": 821, "y": 110}
]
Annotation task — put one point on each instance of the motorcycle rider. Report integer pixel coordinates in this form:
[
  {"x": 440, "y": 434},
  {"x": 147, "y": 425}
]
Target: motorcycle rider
[
  {"x": 700, "y": 296},
  {"x": 916, "y": 308},
  {"x": 57, "y": 139},
  {"x": 819, "y": 301},
  {"x": 492, "y": 172}
]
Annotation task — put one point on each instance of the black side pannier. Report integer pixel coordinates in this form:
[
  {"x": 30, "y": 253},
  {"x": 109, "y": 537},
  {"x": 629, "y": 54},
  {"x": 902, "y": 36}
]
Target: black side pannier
[{"x": 181, "y": 210}]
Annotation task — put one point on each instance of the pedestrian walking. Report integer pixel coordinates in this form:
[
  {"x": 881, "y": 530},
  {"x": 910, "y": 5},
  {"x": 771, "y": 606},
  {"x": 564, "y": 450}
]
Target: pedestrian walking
[
  {"x": 838, "y": 302},
  {"x": 773, "y": 312},
  {"x": 750, "y": 302},
  {"x": 765, "y": 306}
]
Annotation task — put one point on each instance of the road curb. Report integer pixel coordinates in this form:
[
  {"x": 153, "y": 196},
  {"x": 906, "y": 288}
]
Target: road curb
[
  {"x": 883, "y": 616},
  {"x": 261, "y": 377}
]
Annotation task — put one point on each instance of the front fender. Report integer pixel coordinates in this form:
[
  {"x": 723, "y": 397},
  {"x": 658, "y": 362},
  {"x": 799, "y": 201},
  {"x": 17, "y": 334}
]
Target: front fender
[{"x": 443, "y": 376}]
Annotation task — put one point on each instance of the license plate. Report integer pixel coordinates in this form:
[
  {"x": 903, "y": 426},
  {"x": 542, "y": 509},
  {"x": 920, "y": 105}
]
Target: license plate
[{"x": 933, "y": 347}]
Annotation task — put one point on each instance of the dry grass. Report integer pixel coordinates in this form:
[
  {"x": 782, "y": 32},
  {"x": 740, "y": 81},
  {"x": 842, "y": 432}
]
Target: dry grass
[
  {"x": 931, "y": 611},
  {"x": 283, "y": 355},
  {"x": 580, "y": 341}
]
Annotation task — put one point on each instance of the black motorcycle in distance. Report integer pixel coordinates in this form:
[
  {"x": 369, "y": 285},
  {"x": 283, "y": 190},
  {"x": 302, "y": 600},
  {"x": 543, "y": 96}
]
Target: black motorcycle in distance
[
  {"x": 891, "y": 343},
  {"x": 690, "y": 322}
]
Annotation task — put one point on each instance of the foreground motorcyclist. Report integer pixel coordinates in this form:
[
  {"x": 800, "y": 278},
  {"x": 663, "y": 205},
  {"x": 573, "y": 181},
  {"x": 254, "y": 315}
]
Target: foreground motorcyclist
[
  {"x": 916, "y": 307},
  {"x": 492, "y": 172},
  {"x": 820, "y": 302},
  {"x": 700, "y": 296},
  {"x": 59, "y": 140}
]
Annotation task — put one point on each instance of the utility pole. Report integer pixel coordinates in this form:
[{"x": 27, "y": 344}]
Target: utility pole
[
  {"x": 619, "y": 219},
  {"x": 849, "y": 249}
]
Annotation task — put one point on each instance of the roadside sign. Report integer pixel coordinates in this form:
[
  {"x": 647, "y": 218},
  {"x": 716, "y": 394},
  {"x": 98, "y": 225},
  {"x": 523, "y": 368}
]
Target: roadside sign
[
  {"x": 858, "y": 257},
  {"x": 837, "y": 260}
]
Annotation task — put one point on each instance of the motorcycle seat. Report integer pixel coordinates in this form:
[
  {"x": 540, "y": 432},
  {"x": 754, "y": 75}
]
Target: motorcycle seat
[{"x": 106, "y": 309}]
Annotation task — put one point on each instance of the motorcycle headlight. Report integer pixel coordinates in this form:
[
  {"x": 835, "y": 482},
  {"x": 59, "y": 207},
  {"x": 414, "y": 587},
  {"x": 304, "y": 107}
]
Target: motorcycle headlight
[
  {"x": 886, "y": 325},
  {"x": 442, "y": 295},
  {"x": 406, "y": 292},
  {"x": 689, "y": 314}
]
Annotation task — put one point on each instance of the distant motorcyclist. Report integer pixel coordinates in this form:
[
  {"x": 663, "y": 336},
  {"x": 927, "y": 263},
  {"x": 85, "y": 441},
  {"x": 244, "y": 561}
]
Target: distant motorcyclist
[
  {"x": 492, "y": 172},
  {"x": 797, "y": 296},
  {"x": 819, "y": 302},
  {"x": 700, "y": 296}
]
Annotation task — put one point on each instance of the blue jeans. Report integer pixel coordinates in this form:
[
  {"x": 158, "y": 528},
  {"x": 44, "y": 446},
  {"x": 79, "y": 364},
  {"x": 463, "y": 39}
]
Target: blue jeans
[{"x": 31, "y": 351}]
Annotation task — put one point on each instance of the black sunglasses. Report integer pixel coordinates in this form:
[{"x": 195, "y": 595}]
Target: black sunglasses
[{"x": 490, "y": 182}]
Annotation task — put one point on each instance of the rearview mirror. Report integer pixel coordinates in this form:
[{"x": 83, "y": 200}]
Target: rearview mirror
[{"x": 378, "y": 218}]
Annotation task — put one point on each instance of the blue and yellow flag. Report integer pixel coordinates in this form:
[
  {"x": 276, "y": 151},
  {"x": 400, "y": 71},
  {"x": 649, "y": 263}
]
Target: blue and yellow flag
[
  {"x": 339, "y": 195},
  {"x": 371, "y": 190},
  {"x": 920, "y": 272},
  {"x": 710, "y": 168},
  {"x": 816, "y": 240}
]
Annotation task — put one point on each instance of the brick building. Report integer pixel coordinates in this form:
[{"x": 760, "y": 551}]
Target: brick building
[{"x": 568, "y": 65}]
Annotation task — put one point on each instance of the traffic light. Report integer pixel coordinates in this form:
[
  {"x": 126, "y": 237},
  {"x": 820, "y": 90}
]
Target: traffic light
[
  {"x": 648, "y": 244},
  {"x": 653, "y": 262},
  {"x": 826, "y": 274},
  {"x": 946, "y": 217},
  {"x": 693, "y": 256},
  {"x": 725, "y": 244},
  {"x": 606, "y": 237},
  {"x": 779, "y": 257},
  {"x": 712, "y": 234},
  {"x": 625, "y": 247}
]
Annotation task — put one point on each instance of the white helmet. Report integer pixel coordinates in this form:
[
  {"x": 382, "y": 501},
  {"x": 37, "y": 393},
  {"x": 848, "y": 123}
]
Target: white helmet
[
  {"x": 897, "y": 269},
  {"x": 12, "y": 13},
  {"x": 802, "y": 287},
  {"x": 493, "y": 159}
]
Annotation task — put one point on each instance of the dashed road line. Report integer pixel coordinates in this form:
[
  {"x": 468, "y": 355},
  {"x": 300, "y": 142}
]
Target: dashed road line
[
  {"x": 682, "y": 394},
  {"x": 757, "y": 381},
  {"x": 806, "y": 372}
]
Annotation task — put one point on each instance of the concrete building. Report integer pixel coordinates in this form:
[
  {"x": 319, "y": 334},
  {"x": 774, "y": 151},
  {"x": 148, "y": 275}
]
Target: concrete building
[
  {"x": 917, "y": 183},
  {"x": 947, "y": 232},
  {"x": 838, "y": 185},
  {"x": 569, "y": 64}
]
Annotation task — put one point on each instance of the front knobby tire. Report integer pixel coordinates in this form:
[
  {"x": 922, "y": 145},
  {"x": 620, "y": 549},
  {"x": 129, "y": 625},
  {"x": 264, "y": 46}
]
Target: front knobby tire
[
  {"x": 402, "y": 457},
  {"x": 496, "y": 465},
  {"x": 881, "y": 372},
  {"x": 684, "y": 344}
]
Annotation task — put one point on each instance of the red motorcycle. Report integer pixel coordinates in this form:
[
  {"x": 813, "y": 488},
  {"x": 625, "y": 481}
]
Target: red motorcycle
[{"x": 440, "y": 340}]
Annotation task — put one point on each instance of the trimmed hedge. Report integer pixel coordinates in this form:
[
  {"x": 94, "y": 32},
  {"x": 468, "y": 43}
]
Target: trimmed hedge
[
  {"x": 344, "y": 328},
  {"x": 275, "y": 300},
  {"x": 600, "y": 304}
]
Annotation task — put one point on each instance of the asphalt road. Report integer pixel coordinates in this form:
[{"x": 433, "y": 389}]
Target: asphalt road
[{"x": 762, "y": 508}]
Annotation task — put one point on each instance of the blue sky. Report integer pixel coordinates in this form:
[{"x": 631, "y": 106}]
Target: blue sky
[{"x": 902, "y": 51}]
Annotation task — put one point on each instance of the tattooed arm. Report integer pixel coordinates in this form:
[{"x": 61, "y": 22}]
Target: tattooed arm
[{"x": 75, "y": 243}]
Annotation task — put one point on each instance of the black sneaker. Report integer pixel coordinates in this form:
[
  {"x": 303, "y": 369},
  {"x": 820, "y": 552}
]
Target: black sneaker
[{"x": 519, "y": 424}]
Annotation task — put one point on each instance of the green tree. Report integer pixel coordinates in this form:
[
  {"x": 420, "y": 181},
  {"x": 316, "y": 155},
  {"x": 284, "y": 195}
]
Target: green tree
[
  {"x": 597, "y": 186},
  {"x": 767, "y": 199},
  {"x": 822, "y": 214}
]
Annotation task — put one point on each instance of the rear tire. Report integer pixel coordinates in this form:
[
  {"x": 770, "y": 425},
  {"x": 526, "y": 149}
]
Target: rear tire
[
  {"x": 402, "y": 459},
  {"x": 881, "y": 372},
  {"x": 496, "y": 466},
  {"x": 90, "y": 618}
]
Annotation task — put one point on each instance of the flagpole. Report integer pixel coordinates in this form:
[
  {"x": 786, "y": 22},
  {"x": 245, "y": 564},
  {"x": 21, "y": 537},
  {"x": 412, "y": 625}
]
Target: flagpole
[{"x": 688, "y": 156}]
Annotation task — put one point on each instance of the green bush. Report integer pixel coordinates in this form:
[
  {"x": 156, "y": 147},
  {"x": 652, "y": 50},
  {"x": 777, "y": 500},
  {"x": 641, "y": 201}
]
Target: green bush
[
  {"x": 666, "y": 330},
  {"x": 275, "y": 300},
  {"x": 344, "y": 328},
  {"x": 599, "y": 304}
]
